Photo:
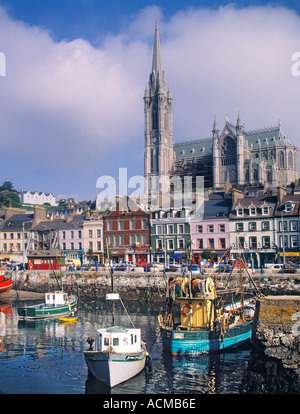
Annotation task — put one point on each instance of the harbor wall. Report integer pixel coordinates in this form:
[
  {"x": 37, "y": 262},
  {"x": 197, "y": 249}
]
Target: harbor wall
[
  {"x": 277, "y": 329},
  {"x": 141, "y": 286}
]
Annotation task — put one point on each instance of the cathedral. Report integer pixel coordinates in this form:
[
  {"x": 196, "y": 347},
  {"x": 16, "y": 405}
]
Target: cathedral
[{"x": 231, "y": 155}]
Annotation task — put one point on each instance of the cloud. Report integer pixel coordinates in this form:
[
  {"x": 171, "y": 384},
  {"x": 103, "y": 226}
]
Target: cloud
[{"x": 70, "y": 111}]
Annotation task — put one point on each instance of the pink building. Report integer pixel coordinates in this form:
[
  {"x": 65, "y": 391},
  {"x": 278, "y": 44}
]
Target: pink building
[{"x": 212, "y": 232}]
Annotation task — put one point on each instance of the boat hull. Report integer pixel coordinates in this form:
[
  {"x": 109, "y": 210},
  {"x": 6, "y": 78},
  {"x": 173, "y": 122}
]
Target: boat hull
[
  {"x": 44, "y": 312},
  {"x": 5, "y": 286},
  {"x": 113, "y": 369},
  {"x": 183, "y": 342}
]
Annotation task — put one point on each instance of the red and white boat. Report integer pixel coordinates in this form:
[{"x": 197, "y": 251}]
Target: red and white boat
[{"x": 5, "y": 281}]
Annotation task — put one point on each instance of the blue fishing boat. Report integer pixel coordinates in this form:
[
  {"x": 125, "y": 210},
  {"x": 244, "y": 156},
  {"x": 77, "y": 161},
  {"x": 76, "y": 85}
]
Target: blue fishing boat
[{"x": 204, "y": 323}]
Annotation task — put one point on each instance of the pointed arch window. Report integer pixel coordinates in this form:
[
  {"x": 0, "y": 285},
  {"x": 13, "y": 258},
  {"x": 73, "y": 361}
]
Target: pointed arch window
[
  {"x": 154, "y": 117},
  {"x": 291, "y": 161},
  {"x": 281, "y": 159},
  {"x": 228, "y": 151}
]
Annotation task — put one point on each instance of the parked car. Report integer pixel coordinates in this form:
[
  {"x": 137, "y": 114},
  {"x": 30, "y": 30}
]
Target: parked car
[
  {"x": 273, "y": 265},
  {"x": 225, "y": 267}
]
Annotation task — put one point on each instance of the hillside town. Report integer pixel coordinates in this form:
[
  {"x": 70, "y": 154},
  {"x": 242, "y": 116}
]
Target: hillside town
[{"x": 261, "y": 224}]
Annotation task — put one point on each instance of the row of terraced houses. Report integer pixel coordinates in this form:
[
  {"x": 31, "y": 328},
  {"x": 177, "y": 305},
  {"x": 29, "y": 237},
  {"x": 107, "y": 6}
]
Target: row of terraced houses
[{"x": 262, "y": 225}]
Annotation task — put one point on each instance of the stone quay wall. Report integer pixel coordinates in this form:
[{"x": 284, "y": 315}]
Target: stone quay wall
[
  {"x": 277, "y": 329},
  {"x": 142, "y": 286}
]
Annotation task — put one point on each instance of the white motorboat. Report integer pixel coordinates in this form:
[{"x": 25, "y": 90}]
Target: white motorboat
[
  {"x": 120, "y": 355},
  {"x": 119, "y": 352}
]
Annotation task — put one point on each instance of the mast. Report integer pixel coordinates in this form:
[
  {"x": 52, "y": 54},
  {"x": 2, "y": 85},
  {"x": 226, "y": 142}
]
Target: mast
[{"x": 242, "y": 289}]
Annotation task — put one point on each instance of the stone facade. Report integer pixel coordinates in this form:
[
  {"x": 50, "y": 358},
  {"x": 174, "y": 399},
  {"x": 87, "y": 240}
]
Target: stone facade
[{"x": 234, "y": 155}]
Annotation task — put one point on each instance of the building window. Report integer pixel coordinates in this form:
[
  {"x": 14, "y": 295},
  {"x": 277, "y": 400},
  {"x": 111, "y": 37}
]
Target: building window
[
  {"x": 138, "y": 239},
  {"x": 72, "y": 246},
  {"x": 63, "y": 235},
  {"x": 79, "y": 234},
  {"x": 90, "y": 233},
  {"x": 211, "y": 243},
  {"x": 266, "y": 243},
  {"x": 144, "y": 224},
  {"x": 252, "y": 211},
  {"x": 222, "y": 243},
  {"x": 132, "y": 225},
  {"x": 64, "y": 246},
  {"x": 252, "y": 242},
  {"x": 241, "y": 241},
  {"x": 159, "y": 229},
  {"x": 239, "y": 212},
  {"x": 98, "y": 233},
  {"x": 79, "y": 245},
  {"x": 116, "y": 241},
  {"x": 285, "y": 242},
  {"x": 265, "y": 210},
  {"x": 180, "y": 228},
  {"x": 200, "y": 243},
  {"x": 98, "y": 245},
  {"x": 293, "y": 225},
  {"x": 159, "y": 244},
  {"x": 72, "y": 234},
  {"x": 210, "y": 228},
  {"x": 252, "y": 226},
  {"x": 294, "y": 241},
  {"x": 144, "y": 239},
  {"x": 170, "y": 244},
  {"x": 5, "y": 236},
  {"x": 111, "y": 242},
  {"x": 180, "y": 243},
  {"x": 121, "y": 225},
  {"x": 283, "y": 225},
  {"x": 222, "y": 228},
  {"x": 265, "y": 225},
  {"x": 199, "y": 229},
  {"x": 288, "y": 207},
  {"x": 239, "y": 226},
  {"x": 170, "y": 229},
  {"x": 121, "y": 239}
]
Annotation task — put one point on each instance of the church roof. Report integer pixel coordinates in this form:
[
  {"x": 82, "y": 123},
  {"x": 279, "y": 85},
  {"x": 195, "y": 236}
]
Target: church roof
[{"x": 261, "y": 137}]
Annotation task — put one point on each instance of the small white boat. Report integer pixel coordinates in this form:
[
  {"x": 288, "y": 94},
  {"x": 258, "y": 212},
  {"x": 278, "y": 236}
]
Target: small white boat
[{"x": 120, "y": 355}]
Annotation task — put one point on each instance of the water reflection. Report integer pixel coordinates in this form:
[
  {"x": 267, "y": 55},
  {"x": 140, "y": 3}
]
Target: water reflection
[{"x": 47, "y": 357}]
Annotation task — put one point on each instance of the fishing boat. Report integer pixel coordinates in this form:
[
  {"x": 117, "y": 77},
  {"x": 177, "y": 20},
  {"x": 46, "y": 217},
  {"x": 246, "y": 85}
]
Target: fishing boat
[
  {"x": 56, "y": 304},
  {"x": 205, "y": 324},
  {"x": 5, "y": 281},
  {"x": 119, "y": 352}
]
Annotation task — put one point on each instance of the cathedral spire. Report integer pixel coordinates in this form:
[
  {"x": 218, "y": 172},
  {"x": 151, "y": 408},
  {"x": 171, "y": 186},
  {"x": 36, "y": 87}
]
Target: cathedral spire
[{"x": 157, "y": 66}]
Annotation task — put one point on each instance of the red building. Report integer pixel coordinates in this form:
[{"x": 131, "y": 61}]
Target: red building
[
  {"x": 45, "y": 259},
  {"x": 127, "y": 232}
]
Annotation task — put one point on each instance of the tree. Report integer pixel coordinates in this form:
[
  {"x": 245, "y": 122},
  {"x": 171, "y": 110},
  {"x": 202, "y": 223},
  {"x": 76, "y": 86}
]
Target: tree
[
  {"x": 207, "y": 254},
  {"x": 9, "y": 197}
]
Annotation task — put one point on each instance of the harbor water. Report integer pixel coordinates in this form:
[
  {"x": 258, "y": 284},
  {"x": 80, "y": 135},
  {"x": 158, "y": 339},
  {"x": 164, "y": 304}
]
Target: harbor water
[{"x": 46, "y": 356}]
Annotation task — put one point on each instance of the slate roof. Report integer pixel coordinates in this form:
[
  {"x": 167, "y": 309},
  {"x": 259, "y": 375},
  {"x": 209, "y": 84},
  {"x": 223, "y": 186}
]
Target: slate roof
[
  {"x": 217, "y": 209},
  {"x": 203, "y": 147},
  {"x": 257, "y": 202},
  {"x": 15, "y": 222},
  {"x": 295, "y": 199}
]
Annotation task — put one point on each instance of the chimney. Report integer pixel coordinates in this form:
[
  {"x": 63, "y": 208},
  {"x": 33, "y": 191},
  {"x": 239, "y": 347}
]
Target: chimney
[
  {"x": 236, "y": 195},
  {"x": 39, "y": 215},
  {"x": 280, "y": 194},
  {"x": 10, "y": 211}
]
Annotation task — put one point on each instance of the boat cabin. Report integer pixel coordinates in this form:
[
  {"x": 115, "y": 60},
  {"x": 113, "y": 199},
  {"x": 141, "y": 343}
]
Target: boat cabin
[
  {"x": 55, "y": 298},
  {"x": 120, "y": 339}
]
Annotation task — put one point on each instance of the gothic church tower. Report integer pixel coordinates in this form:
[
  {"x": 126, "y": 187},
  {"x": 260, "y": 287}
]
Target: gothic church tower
[{"x": 159, "y": 141}]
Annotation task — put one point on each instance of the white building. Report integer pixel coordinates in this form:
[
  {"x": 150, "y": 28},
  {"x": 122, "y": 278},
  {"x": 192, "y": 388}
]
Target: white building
[{"x": 37, "y": 197}]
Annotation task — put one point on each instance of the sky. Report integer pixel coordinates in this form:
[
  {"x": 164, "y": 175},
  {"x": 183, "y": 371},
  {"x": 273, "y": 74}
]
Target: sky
[{"x": 71, "y": 100}]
